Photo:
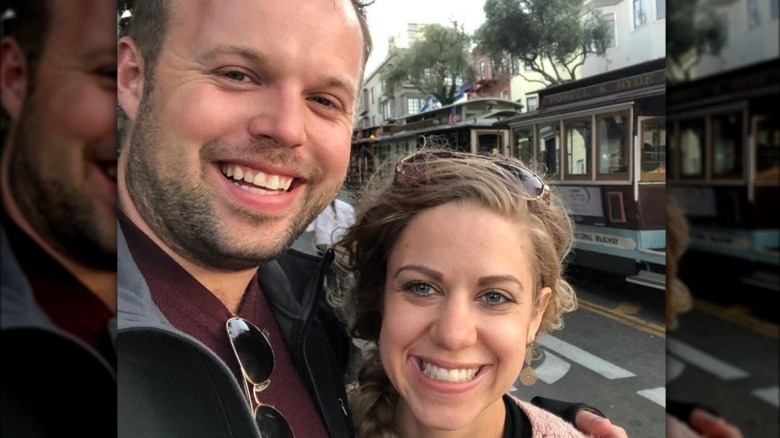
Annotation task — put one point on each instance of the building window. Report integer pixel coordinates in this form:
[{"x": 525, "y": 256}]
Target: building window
[
  {"x": 532, "y": 102},
  {"x": 753, "y": 14},
  {"x": 505, "y": 94},
  {"x": 482, "y": 69},
  {"x": 371, "y": 95},
  {"x": 660, "y": 9},
  {"x": 413, "y": 105},
  {"x": 640, "y": 13},
  {"x": 609, "y": 20},
  {"x": 387, "y": 109}
]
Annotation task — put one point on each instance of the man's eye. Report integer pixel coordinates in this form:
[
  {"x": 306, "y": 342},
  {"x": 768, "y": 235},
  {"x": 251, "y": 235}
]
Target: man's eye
[
  {"x": 324, "y": 101},
  {"x": 235, "y": 75}
]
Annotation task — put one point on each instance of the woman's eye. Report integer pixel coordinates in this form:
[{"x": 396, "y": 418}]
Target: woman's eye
[
  {"x": 495, "y": 298},
  {"x": 420, "y": 289}
]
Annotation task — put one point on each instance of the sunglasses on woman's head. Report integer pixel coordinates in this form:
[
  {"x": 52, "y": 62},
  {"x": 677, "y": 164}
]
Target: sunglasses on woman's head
[
  {"x": 532, "y": 187},
  {"x": 256, "y": 359}
]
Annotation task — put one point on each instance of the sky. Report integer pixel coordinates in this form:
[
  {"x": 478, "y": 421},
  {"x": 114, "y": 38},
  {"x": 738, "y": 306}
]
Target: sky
[{"x": 389, "y": 17}]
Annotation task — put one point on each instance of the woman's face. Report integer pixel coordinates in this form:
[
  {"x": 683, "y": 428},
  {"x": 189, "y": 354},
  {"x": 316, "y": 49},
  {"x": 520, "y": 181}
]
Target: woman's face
[{"x": 458, "y": 314}]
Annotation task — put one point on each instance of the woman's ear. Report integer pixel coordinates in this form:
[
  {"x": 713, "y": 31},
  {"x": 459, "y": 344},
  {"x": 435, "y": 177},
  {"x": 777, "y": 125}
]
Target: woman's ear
[
  {"x": 130, "y": 76},
  {"x": 536, "y": 320},
  {"x": 13, "y": 73}
]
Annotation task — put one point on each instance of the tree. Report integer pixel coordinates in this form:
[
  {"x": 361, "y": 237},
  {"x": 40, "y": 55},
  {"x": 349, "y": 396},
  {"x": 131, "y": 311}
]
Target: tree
[
  {"x": 434, "y": 64},
  {"x": 552, "y": 37},
  {"x": 690, "y": 35}
]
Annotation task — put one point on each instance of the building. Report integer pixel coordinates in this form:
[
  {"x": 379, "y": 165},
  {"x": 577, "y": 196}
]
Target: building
[
  {"x": 639, "y": 33},
  {"x": 377, "y": 105},
  {"x": 751, "y": 30}
]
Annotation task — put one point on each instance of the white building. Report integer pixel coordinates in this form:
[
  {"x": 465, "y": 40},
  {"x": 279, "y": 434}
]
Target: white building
[
  {"x": 638, "y": 33},
  {"x": 752, "y": 34}
]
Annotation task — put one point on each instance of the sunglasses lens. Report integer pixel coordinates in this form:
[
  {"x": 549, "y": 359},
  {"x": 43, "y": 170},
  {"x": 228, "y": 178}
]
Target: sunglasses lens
[
  {"x": 272, "y": 423},
  {"x": 253, "y": 350},
  {"x": 532, "y": 185}
]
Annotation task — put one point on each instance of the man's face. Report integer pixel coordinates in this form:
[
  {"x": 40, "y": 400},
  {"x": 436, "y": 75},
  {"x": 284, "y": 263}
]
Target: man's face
[
  {"x": 245, "y": 135},
  {"x": 62, "y": 171}
]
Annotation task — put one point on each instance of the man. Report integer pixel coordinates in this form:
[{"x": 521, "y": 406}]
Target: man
[
  {"x": 58, "y": 232},
  {"x": 240, "y": 117}
]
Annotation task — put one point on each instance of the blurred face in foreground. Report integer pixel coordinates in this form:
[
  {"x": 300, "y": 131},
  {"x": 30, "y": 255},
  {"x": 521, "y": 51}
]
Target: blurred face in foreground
[
  {"x": 59, "y": 174},
  {"x": 243, "y": 136},
  {"x": 458, "y": 312}
]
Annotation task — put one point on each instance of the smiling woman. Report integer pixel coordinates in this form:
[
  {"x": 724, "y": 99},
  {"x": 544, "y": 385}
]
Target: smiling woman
[{"x": 454, "y": 310}]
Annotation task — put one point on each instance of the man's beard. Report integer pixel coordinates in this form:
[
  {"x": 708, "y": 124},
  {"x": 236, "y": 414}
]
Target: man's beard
[
  {"x": 182, "y": 214},
  {"x": 63, "y": 214}
]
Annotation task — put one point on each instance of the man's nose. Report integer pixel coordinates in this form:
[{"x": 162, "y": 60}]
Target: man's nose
[{"x": 281, "y": 117}]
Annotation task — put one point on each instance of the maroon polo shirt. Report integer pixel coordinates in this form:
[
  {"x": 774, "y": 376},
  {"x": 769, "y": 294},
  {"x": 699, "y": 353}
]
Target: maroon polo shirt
[
  {"x": 193, "y": 309},
  {"x": 68, "y": 303}
]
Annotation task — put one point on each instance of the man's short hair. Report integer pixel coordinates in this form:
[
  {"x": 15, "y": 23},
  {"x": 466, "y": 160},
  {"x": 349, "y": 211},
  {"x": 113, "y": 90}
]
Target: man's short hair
[{"x": 149, "y": 24}]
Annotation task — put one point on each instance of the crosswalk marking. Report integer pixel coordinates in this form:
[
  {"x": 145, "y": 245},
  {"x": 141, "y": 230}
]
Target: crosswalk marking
[
  {"x": 655, "y": 395},
  {"x": 706, "y": 362},
  {"x": 582, "y": 357},
  {"x": 552, "y": 369},
  {"x": 770, "y": 395}
]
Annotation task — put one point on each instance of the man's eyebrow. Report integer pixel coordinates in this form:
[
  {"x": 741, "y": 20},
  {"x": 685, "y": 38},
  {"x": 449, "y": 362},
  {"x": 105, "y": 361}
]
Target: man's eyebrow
[
  {"x": 248, "y": 53},
  {"x": 337, "y": 82}
]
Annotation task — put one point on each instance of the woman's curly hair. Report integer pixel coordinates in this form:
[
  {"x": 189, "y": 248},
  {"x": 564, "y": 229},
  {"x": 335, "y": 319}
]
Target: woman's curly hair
[{"x": 388, "y": 206}]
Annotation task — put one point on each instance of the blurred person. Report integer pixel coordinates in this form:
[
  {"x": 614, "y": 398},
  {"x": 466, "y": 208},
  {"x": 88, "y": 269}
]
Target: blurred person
[
  {"x": 58, "y": 232},
  {"x": 685, "y": 419},
  {"x": 331, "y": 224},
  {"x": 453, "y": 313}
]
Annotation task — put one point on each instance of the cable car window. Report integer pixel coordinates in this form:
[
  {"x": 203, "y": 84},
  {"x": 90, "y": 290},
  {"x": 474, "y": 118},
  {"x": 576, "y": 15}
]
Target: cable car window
[
  {"x": 767, "y": 138},
  {"x": 692, "y": 148},
  {"x": 549, "y": 150},
  {"x": 727, "y": 140},
  {"x": 578, "y": 148},
  {"x": 524, "y": 146},
  {"x": 612, "y": 145},
  {"x": 652, "y": 134}
]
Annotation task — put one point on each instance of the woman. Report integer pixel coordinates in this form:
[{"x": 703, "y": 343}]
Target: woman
[{"x": 457, "y": 264}]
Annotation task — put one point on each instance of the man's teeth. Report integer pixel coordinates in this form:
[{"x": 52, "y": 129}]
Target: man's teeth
[
  {"x": 260, "y": 179},
  {"x": 454, "y": 375}
]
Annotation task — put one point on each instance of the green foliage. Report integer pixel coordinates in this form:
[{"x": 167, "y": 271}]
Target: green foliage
[
  {"x": 551, "y": 36},
  {"x": 433, "y": 63},
  {"x": 690, "y": 35}
]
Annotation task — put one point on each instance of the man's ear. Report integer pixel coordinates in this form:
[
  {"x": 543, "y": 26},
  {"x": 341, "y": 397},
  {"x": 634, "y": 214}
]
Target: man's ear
[
  {"x": 130, "y": 76},
  {"x": 13, "y": 81}
]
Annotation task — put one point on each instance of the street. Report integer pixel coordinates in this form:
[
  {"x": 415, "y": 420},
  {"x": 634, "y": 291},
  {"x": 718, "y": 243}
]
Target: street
[{"x": 613, "y": 354}]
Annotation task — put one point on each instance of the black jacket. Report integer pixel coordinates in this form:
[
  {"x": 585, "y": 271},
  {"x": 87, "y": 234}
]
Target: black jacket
[{"x": 171, "y": 385}]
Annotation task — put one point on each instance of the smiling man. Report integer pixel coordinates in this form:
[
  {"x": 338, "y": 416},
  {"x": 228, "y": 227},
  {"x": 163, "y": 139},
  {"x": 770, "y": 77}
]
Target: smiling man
[{"x": 239, "y": 135}]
